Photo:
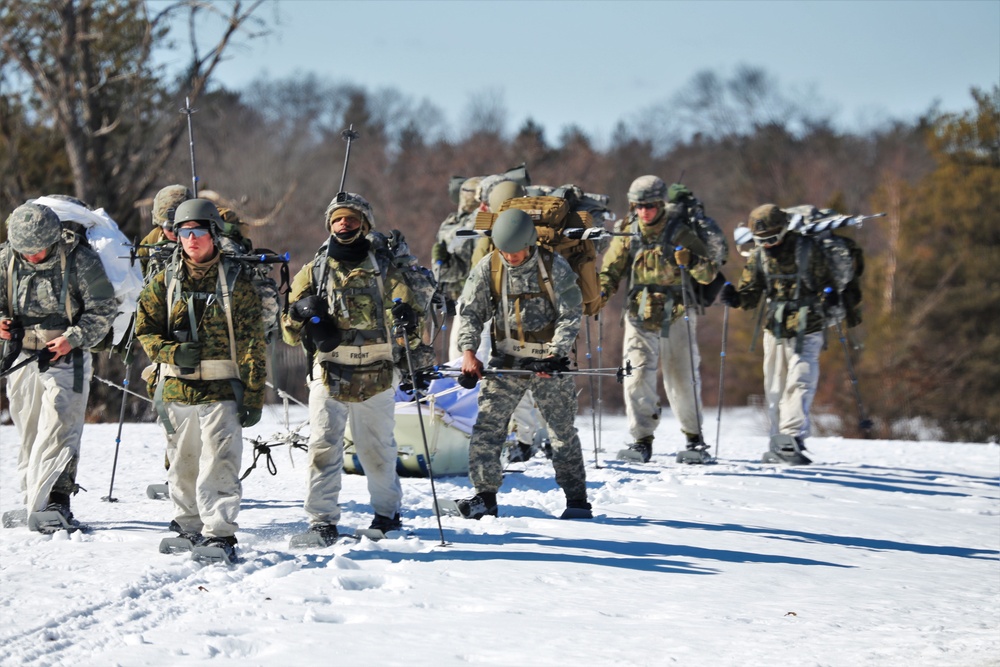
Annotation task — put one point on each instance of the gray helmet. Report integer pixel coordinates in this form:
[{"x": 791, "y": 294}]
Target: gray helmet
[
  {"x": 503, "y": 191},
  {"x": 647, "y": 190},
  {"x": 769, "y": 224},
  {"x": 356, "y": 203},
  {"x": 166, "y": 201},
  {"x": 31, "y": 228},
  {"x": 513, "y": 231},
  {"x": 198, "y": 210},
  {"x": 486, "y": 185}
]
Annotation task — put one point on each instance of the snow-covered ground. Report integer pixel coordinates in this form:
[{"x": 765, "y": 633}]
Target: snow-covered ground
[{"x": 882, "y": 553}]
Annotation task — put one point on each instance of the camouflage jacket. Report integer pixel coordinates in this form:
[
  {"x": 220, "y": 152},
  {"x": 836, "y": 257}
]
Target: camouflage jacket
[
  {"x": 654, "y": 279},
  {"x": 527, "y": 303},
  {"x": 155, "y": 259},
  {"x": 360, "y": 319},
  {"x": 453, "y": 271},
  {"x": 154, "y": 329},
  {"x": 38, "y": 292},
  {"x": 772, "y": 274}
]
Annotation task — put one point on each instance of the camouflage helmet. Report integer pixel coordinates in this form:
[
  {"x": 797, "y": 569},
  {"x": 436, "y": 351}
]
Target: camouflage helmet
[
  {"x": 647, "y": 190},
  {"x": 768, "y": 224},
  {"x": 166, "y": 201},
  {"x": 503, "y": 191},
  {"x": 230, "y": 222},
  {"x": 198, "y": 210},
  {"x": 354, "y": 202},
  {"x": 31, "y": 228},
  {"x": 468, "y": 195},
  {"x": 513, "y": 231}
]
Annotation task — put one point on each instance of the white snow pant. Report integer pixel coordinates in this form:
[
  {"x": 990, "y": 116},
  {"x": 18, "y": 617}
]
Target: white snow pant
[
  {"x": 647, "y": 351},
  {"x": 790, "y": 382},
  {"x": 205, "y": 452},
  {"x": 49, "y": 417},
  {"x": 372, "y": 422}
]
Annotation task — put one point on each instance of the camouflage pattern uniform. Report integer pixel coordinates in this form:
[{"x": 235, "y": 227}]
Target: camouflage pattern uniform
[
  {"x": 48, "y": 408},
  {"x": 654, "y": 336},
  {"x": 341, "y": 387},
  {"x": 202, "y": 416},
  {"x": 790, "y": 376},
  {"x": 552, "y": 326},
  {"x": 454, "y": 268}
]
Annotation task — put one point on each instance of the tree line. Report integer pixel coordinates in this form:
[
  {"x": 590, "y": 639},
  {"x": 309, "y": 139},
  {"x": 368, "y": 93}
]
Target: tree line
[{"x": 96, "y": 119}]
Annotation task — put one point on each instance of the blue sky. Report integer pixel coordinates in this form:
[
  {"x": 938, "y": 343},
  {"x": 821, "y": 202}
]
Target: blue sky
[{"x": 594, "y": 63}]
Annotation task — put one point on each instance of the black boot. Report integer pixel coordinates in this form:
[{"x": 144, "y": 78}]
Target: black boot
[
  {"x": 641, "y": 450},
  {"x": 478, "y": 506}
]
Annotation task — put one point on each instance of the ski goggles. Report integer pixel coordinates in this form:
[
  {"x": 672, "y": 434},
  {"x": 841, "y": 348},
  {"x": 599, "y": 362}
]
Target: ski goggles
[{"x": 189, "y": 232}]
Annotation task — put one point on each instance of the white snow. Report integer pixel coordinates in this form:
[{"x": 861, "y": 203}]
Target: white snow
[{"x": 882, "y": 553}]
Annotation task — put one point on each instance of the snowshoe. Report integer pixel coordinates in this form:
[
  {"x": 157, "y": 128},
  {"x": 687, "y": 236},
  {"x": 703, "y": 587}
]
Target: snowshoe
[
  {"x": 215, "y": 550},
  {"x": 379, "y": 527},
  {"x": 158, "y": 491},
  {"x": 639, "y": 451},
  {"x": 786, "y": 449},
  {"x": 577, "y": 509},
  {"x": 320, "y": 535},
  {"x": 476, "y": 507},
  {"x": 696, "y": 452},
  {"x": 15, "y": 518},
  {"x": 55, "y": 517},
  {"x": 183, "y": 543}
]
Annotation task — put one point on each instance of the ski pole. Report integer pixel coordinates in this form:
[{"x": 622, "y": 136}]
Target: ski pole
[
  {"x": 864, "y": 423},
  {"x": 722, "y": 375},
  {"x": 400, "y": 331},
  {"x": 187, "y": 111},
  {"x": 593, "y": 407},
  {"x": 685, "y": 286},
  {"x": 600, "y": 382},
  {"x": 121, "y": 415}
]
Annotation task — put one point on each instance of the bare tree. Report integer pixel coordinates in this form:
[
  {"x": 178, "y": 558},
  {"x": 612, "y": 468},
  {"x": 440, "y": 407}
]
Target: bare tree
[{"x": 88, "y": 68}]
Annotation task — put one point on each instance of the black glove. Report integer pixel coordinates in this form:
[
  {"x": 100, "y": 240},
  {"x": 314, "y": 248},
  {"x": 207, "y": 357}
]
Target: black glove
[
  {"x": 467, "y": 380},
  {"x": 403, "y": 315},
  {"x": 831, "y": 297},
  {"x": 250, "y": 416},
  {"x": 440, "y": 252},
  {"x": 547, "y": 365},
  {"x": 307, "y": 308},
  {"x": 187, "y": 355},
  {"x": 44, "y": 357},
  {"x": 729, "y": 296},
  {"x": 14, "y": 345},
  {"x": 422, "y": 380},
  {"x": 324, "y": 335}
]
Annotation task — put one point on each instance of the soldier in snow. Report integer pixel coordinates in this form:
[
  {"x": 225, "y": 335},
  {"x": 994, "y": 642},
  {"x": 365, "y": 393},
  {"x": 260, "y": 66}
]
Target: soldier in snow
[
  {"x": 532, "y": 297},
  {"x": 654, "y": 336},
  {"x": 344, "y": 312},
  {"x": 55, "y": 302},
  {"x": 793, "y": 322},
  {"x": 199, "y": 321}
]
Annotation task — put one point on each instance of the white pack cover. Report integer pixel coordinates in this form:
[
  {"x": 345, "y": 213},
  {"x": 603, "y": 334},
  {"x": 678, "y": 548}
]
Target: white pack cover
[{"x": 112, "y": 247}]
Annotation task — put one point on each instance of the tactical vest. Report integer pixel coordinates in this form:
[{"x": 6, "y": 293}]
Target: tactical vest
[
  {"x": 39, "y": 331},
  {"x": 530, "y": 344},
  {"x": 654, "y": 279},
  {"x": 207, "y": 369},
  {"x": 362, "y": 304}
]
